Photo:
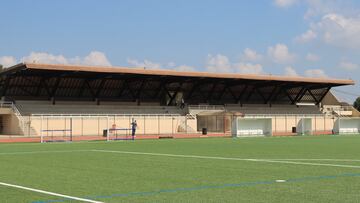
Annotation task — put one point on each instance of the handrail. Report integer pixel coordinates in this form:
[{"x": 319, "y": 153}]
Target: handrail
[
  {"x": 103, "y": 115},
  {"x": 340, "y": 110},
  {"x": 19, "y": 116},
  {"x": 207, "y": 107},
  {"x": 6, "y": 104},
  {"x": 343, "y": 108},
  {"x": 272, "y": 115}
]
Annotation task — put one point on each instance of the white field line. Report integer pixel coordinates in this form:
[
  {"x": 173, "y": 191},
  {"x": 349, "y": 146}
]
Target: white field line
[
  {"x": 307, "y": 163},
  {"x": 340, "y": 160},
  {"x": 43, "y": 152},
  {"x": 228, "y": 158},
  {"x": 49, "y": 193},
  {"x": 89, "y": 150},
  {"x": 52, "y": 143}
]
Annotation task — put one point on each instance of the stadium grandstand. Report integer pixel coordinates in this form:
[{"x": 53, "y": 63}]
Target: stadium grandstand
[{"x": 67, "y": 102}]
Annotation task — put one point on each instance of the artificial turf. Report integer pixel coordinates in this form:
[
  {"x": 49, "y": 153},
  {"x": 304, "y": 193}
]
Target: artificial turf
[{"x": 78, "y": 170}]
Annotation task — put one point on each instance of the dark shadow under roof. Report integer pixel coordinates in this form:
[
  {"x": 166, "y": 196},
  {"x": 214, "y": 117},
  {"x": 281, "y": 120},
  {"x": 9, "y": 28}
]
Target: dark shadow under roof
[{"x": 70, "y": 82}]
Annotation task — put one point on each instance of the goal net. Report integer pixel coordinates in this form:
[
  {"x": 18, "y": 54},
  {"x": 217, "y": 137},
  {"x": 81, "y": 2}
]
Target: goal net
[
  {"x": 120, "y": 134},
  {"x": 56, "y": 135}
]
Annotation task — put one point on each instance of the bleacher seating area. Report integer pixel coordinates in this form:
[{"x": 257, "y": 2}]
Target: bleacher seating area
[
  {"x": 260, "y": 109},
  {"x": 276, "y": 110},
  {"x": 45, "y": 107}
]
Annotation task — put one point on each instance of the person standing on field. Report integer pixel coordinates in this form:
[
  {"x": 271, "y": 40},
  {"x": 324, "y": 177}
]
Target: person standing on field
[{"x": 133, "y": 129}]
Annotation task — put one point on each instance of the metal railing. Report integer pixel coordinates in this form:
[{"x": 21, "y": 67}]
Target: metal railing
[
  {"x": 341, "y": 111},
  {"x": 342, "y": 108},
  {"x": 190, "y": 116},
  {"x": 104, "y": 115},
  {"x": 4, "y": 104},
  {"x": 280, "y": 115},
  {"x": 206, "y": 107}
]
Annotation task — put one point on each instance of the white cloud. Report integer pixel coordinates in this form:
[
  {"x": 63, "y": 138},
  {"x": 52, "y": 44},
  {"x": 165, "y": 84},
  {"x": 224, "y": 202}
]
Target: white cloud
[
  {"x": 145, "y": 63},
  {"x": 338, "y": 30},
  {"x": 290, "y": 71},
  {"x": 312, "y": 57},
  {"x": 43, "y": 57},
  {"x": 171, "y": 64},
  {"x": 250, "y": 55},
  {"x": 218, "y": 63},
  {"x": 154, "y": 65},
  {"x": 306, "y": 37},
  {"x": 7, "y": 61},
  {"x": 280, "y": 54},
  {"x": 338, "y": 25},
  {"x": 221, "y": 63},
  {"x": 95, "y": 58},
  {"x": 348, "y": 66},
  {"x": 249, "y": 68},
  {"x": 334, "y": 22},
  {"x": 318, "y": 7},
  {"x": 184, "y": 68},
  {"x": 285, "y": 3},
  {"x": 315, "y": 73},
  {"x": 321, "y": 7}
]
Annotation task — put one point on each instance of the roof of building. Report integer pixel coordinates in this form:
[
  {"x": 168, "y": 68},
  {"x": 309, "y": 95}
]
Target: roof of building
[
  {"x": 162, "y": 72},
  {"x": 72, "y": 82}
]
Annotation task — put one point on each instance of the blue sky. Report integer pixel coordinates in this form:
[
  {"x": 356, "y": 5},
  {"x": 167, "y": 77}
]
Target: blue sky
[{"x": 314, "y": 38}]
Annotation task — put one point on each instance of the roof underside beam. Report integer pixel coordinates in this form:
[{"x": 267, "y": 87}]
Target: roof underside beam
[{"x": 66, "y": 84}]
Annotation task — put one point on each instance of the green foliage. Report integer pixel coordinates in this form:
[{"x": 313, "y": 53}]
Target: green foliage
[
  {"x": 357, "y": 104},
  {"x": 76, "y": 169}
]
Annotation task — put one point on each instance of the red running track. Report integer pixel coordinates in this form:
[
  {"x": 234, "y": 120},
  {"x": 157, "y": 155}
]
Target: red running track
[{"x": 19, "y": 139}]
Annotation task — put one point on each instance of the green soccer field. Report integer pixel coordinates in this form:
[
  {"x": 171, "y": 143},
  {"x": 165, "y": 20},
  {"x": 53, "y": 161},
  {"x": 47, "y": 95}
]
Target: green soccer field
[{"x": 287, "y": 169}]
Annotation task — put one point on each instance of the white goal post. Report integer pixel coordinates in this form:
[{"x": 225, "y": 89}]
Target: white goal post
[{"x": 57, "y": 128}]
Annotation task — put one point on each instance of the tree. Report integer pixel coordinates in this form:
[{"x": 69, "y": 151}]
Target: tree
[{"x": 357, "y": 104}]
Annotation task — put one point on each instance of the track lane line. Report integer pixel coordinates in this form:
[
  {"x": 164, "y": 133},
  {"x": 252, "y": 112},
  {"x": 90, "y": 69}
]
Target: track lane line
[
  {"x": 227, "y": 158},
  {"x": 48, "y": 193}
]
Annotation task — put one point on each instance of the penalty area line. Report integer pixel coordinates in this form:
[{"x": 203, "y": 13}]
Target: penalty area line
[
  {"x": 48, "y": 193},
  {"x": 228, "y": 158}
]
